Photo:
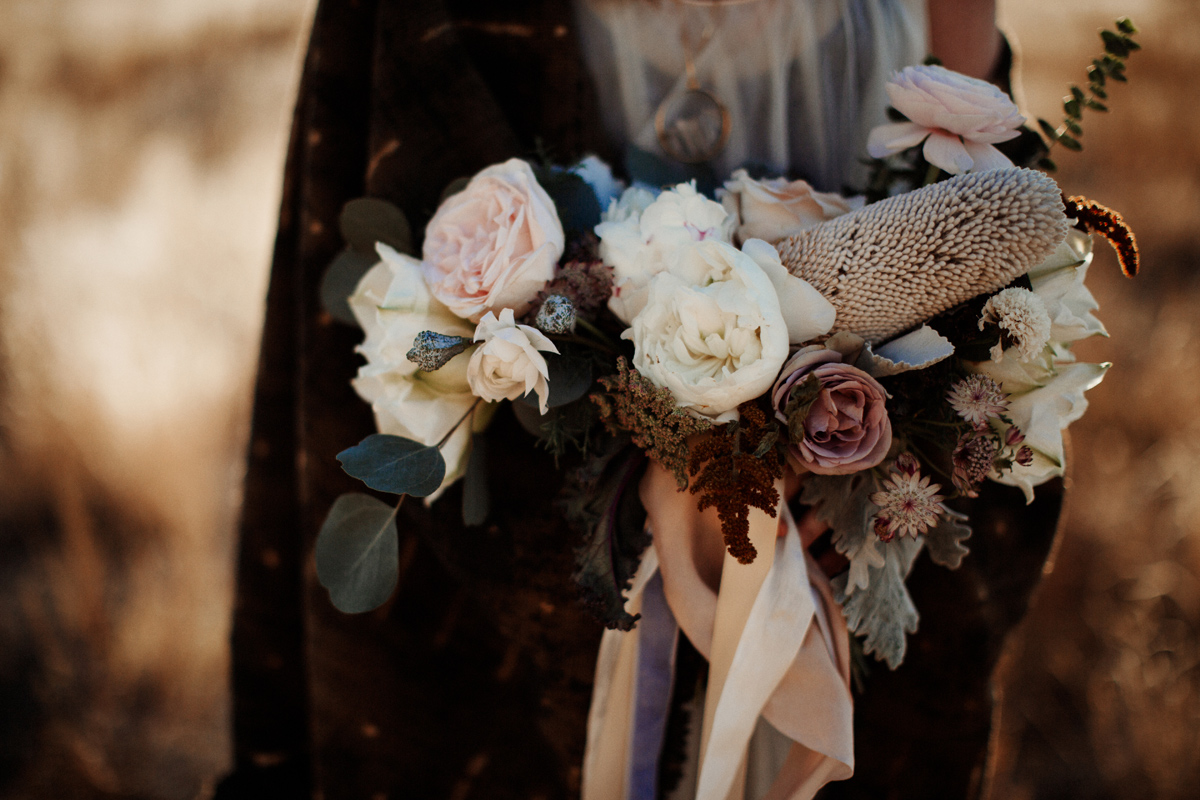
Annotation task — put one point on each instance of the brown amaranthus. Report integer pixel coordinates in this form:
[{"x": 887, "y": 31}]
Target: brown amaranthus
[
  {"x": 735, "y": 468},
  {"x": 1095, "y": 218},
  {"x": 634, "y": 405}
]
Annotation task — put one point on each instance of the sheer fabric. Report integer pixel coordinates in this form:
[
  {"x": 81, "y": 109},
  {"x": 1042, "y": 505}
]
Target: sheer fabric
[{"x": 803, "y": 80}]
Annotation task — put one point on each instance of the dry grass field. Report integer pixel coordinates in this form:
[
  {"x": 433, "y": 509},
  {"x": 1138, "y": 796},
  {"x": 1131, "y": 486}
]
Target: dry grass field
[{"x": 141, "y": 149}]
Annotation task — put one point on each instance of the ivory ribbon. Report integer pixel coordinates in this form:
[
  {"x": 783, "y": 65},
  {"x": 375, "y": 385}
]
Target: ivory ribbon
[{"x": 777, "y": 646}]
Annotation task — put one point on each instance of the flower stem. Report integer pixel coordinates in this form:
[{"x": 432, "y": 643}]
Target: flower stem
[
  {"x": 600, "y": 335},
  {"x": 932, "y": 174},
  {"x": 461, "y": 420}
]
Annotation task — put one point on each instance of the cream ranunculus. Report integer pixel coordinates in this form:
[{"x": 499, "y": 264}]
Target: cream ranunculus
[
  {"x": 711, "y": 330},
  {"x": 639, "y": 235},
  {"x": 494, "y": 244},
  {"x": 774, "y": 209},
  {"x": 959, "y": 119},
  {"x": 508, "y": 365},
  {"x": 393, "y": 305}
]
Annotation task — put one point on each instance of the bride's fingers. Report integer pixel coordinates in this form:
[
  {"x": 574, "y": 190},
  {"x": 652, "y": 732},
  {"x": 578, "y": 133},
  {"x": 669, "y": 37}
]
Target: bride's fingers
[{"x": 810, "y": 527}]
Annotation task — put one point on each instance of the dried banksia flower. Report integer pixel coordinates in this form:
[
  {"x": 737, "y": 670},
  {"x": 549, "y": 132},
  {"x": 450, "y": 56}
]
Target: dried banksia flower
[
  {"x": 901, "y": 261},
  {"x": 431, "y": 350}
]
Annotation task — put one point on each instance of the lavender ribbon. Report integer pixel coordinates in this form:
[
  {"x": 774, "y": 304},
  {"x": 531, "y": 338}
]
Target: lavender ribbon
[{"x": 657, "y": 641}]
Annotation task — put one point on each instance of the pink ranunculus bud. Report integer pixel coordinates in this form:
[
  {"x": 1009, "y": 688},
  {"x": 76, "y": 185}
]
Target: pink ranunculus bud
[{"x": 846, "y": 428}]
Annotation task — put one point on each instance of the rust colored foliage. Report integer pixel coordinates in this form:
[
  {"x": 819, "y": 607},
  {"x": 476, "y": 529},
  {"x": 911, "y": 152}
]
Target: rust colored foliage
[
  {"x": 1095, "y": 218},
  {"x": 634, "y": 405},
  {"x": 736, "y": 468},
  {"x": 587, "y": 283}
]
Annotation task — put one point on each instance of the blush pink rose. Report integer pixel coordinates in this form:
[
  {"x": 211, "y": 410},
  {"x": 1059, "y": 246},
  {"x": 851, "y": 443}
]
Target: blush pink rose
[
  {"x": 494, "y": 244},
  {"x": 847, "y": 428},
  {"x": 959, "y": 119}
]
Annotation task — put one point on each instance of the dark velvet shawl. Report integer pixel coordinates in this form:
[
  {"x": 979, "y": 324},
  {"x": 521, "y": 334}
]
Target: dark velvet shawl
[{"x": 474, "y": 680}]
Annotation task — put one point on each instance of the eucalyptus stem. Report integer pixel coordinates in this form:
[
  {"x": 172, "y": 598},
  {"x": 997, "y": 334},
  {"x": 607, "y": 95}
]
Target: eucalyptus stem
[
  {"x": 461, "y": 420},
  {"x": 600, "y": 335},
  {"x": 932, "y": 174}
]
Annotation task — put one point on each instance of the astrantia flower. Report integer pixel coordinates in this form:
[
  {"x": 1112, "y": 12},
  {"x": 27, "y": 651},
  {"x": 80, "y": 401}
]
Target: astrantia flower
[
  {"x": 1023, "y": 321},
  {"x": 977, "y": 398},
  {"x": 909, "y": 503},
  {"x": 957, "y": 117}
]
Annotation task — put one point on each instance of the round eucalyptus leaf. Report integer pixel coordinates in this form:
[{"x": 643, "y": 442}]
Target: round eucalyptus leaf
[
  {"x": 393, "y": 464},
  {"x": 368, "y": 220},
  {"x": 339, "y": 282},
  {"x": 358, "y": 553},
  {"x": 569, "y": 379}
]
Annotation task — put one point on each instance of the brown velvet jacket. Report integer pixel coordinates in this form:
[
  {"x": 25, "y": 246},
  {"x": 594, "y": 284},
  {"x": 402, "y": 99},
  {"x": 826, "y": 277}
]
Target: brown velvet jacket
[{"x": 474, "y": 680}]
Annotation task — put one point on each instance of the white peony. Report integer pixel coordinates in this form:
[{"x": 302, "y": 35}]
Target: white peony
[
  {"x": 393, "y": 305},
  {"x": 508, "y": 365},
  {"x": 640, "y": 234},
  {"x": 711, "y": 330}
]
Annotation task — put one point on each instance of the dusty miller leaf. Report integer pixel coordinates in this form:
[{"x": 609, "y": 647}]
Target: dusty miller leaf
[
  {"x": 843, "y": 502},
  {"x": 884, "y": 612},
  {"x": 945, "y": 541}
]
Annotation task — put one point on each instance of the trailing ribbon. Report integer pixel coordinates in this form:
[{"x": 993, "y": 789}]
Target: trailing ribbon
[{"x": 778, "y": 651}]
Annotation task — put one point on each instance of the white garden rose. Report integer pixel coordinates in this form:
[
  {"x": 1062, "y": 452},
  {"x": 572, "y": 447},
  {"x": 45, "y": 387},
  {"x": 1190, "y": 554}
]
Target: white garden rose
[
  {"x": 777, "y": 208},
  {"x": 508, "y": 365},
  {"x": 640, "y": 234},
  {"x": 393, "y": 305},
  {"x": 494, "y": 244},
  {"x": 711, "y": 330}
]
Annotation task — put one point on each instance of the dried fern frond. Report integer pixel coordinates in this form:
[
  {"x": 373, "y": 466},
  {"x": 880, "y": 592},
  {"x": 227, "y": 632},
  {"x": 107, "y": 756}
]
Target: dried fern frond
[{"x": 894, "y": 264}]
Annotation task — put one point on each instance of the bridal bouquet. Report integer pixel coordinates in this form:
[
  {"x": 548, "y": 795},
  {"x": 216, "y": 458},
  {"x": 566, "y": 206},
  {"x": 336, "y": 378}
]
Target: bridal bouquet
[{"x": 887, "y": 353}]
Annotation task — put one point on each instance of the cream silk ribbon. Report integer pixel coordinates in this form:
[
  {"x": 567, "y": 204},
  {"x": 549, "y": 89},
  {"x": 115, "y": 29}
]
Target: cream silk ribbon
[{"x": 777, "y": 647}]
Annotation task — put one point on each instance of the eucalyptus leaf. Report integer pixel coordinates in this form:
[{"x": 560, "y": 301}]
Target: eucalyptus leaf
[
  {"x": 357, "y": 553},
  {"x": 368, "y": 220},
  {"x": 340, "y": 280},
  {"x": 570, "y": 378},
  {"x": 476, "y": 499},
  {"x": 389, "y": 463}
]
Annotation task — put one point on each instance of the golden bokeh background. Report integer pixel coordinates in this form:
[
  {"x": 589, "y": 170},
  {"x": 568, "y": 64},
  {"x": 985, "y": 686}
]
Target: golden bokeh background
[{"x": 141, "y": 153}]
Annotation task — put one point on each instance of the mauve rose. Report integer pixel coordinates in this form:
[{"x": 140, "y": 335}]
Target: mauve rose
[
  {"x": 847, "y": 428},
  {"x": 959, "y": 118},
  {"x": 494, "y": 244}
]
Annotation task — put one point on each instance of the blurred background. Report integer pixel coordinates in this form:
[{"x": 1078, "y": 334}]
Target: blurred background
[{"x": 141, "y": 152}]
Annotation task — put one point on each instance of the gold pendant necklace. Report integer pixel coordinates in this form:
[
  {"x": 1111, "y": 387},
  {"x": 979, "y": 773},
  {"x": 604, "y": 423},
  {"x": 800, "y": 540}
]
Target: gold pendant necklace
[{"x": 693, "y": 125}]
